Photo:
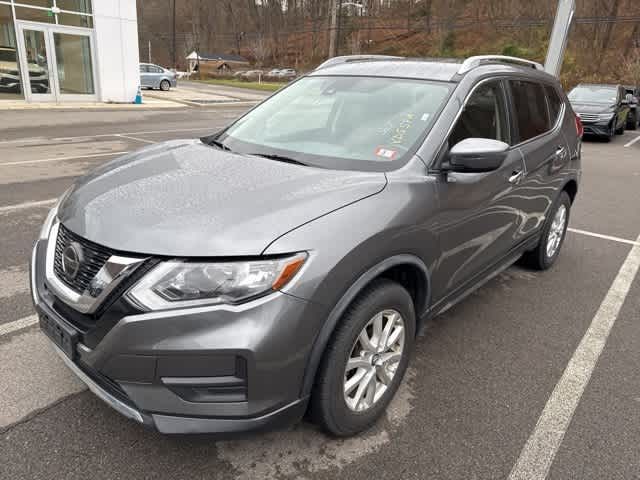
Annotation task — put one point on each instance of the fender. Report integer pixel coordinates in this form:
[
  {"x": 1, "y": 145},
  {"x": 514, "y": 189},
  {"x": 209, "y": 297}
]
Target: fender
[{"x": 322, "y": 339}]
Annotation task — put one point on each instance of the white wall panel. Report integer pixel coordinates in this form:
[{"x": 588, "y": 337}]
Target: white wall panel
[{"x": 116, "y": 31}]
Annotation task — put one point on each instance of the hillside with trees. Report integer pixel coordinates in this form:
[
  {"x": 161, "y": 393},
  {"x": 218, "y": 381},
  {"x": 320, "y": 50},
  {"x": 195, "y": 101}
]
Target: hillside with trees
[{"x": 604, "y": 44}]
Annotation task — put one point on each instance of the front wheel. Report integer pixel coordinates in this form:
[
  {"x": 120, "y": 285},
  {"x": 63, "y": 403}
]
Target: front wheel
[
  {"x": 165, "y": 85},
  {"x": 365, "y": 360},
  {"x": 553, "y": 233}
]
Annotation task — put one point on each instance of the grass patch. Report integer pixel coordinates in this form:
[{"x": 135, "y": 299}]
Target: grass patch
[{"x": 264, "y": 86}]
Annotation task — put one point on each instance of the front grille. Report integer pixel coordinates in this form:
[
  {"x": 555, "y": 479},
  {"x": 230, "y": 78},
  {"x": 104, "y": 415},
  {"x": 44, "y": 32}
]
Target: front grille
[
  {"x": 588, "y": 117},
  {"x": 94, "y": 258}
]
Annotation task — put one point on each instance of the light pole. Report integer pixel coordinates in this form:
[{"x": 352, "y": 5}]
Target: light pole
[
  {"x": 335, "y": 27},
  {"x": 559, "y": 37}
]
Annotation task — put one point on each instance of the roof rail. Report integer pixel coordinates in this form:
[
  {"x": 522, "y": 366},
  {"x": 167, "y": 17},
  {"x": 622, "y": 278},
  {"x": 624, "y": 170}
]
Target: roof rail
[
  {"x": 355, "y": 58},
  {"x": 473, "y": 62}
]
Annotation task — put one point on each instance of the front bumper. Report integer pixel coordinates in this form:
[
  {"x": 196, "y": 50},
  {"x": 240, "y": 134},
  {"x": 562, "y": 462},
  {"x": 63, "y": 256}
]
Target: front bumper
[
  {"x": 217, "y": 369},
  {"x": 600, "y": 128}
]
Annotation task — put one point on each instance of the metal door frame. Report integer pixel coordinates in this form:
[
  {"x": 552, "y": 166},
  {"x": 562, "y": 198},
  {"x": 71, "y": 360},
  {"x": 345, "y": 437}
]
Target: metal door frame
[{"x": 54, "y": 84}]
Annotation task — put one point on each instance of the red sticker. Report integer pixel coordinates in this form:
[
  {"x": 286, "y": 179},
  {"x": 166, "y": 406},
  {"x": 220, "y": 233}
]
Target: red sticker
[{"x": 386, "y": 153}]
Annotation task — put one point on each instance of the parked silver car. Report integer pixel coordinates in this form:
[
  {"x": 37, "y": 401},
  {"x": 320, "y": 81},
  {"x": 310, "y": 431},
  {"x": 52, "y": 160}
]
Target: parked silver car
[{"x": 155, "y": 76}]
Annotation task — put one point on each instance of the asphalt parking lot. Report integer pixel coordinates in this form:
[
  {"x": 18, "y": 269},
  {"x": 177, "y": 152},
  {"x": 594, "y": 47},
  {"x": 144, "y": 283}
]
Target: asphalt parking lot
[{"x": 509, "y": 383}]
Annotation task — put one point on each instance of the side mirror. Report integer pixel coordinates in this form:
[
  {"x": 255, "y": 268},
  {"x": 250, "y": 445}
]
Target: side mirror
[{"x": 477, "y": 155}]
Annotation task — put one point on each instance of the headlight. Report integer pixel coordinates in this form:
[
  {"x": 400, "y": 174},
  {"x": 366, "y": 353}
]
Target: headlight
[{"x": 176, "y": 284}]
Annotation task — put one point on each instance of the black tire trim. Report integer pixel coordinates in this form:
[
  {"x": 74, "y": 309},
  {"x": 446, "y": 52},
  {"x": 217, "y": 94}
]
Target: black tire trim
[
  {"x": 324, "y": 411},
  {"x": 323, "y": 337},
  {"x": 537, "y": 258}
]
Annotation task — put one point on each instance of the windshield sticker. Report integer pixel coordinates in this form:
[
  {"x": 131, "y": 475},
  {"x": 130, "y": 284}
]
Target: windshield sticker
[
  {"x": 386, "y": 153},
  {"x": 425, "y": 117}
]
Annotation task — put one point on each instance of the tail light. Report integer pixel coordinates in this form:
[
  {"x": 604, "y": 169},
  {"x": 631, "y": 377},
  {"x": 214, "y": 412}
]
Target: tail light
[{"x": 579, "y": 127}]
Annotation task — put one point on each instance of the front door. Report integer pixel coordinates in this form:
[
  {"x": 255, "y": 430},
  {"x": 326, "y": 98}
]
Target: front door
[
  {"x": 145, "y": 76},
  {"x": 477, "y": 222},
  {"x": 37, "y": 67},
  {"x": 57, "y": 61}
]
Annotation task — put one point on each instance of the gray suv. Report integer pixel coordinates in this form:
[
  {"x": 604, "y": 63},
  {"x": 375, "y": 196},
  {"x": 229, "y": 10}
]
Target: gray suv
[{"x": 284, "y": 265}]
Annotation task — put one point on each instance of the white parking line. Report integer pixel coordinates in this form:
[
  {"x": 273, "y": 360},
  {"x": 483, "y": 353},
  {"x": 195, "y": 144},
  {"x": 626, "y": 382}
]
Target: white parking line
[
  {"x": 605, "y": 237},
  {"x": 628, "y": 144},
  {"x": 541, "y": 447},
  {"x": 60, "y": 159},
  {"x": 10, "y": 327},
  {"x": 134, "y": 138},
  {"x": 23, "y": 206},
  {"x": 57, "y": 139}
]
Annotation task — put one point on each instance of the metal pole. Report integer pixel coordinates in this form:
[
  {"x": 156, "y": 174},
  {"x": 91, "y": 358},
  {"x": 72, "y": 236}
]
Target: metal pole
[
  {"x": 174, "y": 35},
  {"x": 559, "y": 36},
  {"x": 333, "y": 32}
]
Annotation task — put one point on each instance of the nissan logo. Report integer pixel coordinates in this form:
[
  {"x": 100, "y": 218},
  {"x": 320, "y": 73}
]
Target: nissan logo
[{"x": 72, "y": 259}]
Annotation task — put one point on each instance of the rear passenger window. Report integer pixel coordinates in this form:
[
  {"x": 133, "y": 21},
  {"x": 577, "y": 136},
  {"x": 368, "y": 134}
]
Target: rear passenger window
[
  {"x": 554, "y": 103},
  {"x": 530, "y": 109},
  {"x": 483, "y": 116}
]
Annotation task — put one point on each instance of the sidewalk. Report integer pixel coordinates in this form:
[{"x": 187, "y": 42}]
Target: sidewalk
[{"x": 149, "y": 102}]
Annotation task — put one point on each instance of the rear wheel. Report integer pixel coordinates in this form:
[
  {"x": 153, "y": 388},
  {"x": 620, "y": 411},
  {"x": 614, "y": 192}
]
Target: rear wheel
[
  {"x": 165, "y": 85},
  {"x": 365, "y": 360},
  {"x": 553, "y": 233}
]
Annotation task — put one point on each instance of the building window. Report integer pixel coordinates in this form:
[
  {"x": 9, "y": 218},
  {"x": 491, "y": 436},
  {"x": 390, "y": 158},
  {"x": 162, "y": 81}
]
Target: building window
[
  {"x": 35, "y": 15},
  {"x": 36, "y": 3},
  {"x": 80, "y": 6},
  {"x": 10, "y": 83},
  {"x": 74, "y": 20},
  {"x": 74, "y": 13}
]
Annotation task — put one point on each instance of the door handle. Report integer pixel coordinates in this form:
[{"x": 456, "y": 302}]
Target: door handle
[
  {"x": 516, "y": 176},
  {"x": 560, "y": 151}
]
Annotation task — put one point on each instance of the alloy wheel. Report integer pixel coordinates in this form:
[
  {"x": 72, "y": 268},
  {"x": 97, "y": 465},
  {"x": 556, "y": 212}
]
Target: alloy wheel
[
  {"x": 556, "y": 231},
  {"x": 374, "y": 360}
]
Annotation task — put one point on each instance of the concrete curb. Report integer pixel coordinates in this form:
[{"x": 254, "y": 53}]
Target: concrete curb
[{"x": 89, "y": 106}]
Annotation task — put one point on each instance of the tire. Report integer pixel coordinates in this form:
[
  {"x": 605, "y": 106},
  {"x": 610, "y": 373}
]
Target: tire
[
  {"x": 329, "y": 405},
  {"x": 165, "y": 85},
  {"x": 610, "y": 134},
  {"x": 632, "y": 121},
  {"x": 542, "y": 258}
]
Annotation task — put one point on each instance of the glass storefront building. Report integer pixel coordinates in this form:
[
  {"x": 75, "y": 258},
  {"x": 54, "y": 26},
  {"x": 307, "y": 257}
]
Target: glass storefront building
[{"x": 49, "y": 50}]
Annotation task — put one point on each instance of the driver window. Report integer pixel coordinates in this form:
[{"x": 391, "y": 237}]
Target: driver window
[{"x": 483, "y": 116}]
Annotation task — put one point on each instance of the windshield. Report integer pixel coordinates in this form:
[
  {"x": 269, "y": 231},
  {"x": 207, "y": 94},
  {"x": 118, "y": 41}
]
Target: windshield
[
  {"x": 594, "y": 94},
  {"x": 359, "y": 123}
]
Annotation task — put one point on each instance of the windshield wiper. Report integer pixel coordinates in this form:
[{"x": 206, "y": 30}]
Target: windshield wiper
[
  {"x": 279, "y": 158},
  {"x": 219, "y": 144}
]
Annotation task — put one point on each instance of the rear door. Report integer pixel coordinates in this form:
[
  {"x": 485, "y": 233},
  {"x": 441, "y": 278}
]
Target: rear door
[
  {"x": 477, "y": 218},
  {"x": 539, "y": 115}
]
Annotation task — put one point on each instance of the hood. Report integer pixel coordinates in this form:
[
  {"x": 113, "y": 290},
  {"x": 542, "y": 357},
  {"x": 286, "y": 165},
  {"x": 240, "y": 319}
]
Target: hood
[
  {"x": 186, "y": 199},
  {"x": 592, "y": 107}
]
